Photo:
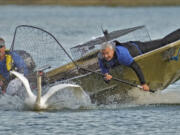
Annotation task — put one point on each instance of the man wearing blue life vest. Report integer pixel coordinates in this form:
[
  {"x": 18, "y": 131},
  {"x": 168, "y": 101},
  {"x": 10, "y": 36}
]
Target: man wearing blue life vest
[
  {"x": 8, "y": 61},
  {"x": 112, "y": 55}
]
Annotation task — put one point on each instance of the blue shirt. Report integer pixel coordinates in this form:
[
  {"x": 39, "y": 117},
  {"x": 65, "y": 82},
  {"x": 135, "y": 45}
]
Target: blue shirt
[
  {"x": 18, "y": 63},
  {"x": 123, "y": 57}
]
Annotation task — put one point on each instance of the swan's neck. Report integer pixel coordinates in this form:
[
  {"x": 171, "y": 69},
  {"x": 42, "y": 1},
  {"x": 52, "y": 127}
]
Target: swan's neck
[{"x": 39, "y": 88}]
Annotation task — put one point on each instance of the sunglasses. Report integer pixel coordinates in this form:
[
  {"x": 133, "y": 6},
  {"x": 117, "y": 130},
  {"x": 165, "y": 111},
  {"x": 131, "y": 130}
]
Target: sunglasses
[{"x": 1, "y": 46}]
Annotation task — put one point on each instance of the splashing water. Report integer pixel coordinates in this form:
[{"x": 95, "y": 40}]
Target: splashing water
[
  {"x": 8, "y": 102},
  {"x": 69, "y": 98},
  {"x": 56, "y": 97},
  {"x": 42, "y": 102},
  {"x": 65, "y": 99},
  {"x": 167, "y": 96}
]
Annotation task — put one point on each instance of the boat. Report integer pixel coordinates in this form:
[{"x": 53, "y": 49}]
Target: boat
[{"x": 160, "y": 66}]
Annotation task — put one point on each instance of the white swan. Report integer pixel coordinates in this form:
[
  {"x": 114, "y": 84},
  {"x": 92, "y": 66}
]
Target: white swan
[{"x": 38, "y": 102}]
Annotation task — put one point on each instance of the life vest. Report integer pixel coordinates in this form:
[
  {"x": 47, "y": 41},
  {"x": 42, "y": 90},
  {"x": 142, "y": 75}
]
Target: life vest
[
  {"x": 9, "y": 60},
  {"x": 26, "y": 57},
  {"x": 132, "y": 47}
]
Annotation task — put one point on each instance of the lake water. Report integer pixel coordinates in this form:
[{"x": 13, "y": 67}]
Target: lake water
[{"x": 73, "y": 25}]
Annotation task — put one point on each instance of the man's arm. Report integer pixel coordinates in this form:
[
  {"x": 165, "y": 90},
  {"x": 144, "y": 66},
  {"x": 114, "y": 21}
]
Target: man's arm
[
  {"x": 126, "y": 59},
  {"x": 140, "y": 75},
  {"x": 138, "y": 72}
]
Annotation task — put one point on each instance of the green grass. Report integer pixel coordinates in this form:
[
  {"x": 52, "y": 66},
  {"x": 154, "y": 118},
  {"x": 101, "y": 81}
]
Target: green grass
[{"x": 94, "y": 2}]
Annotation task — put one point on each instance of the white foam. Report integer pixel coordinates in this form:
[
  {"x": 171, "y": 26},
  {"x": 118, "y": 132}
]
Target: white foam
[
  {"x": 71, "y": 96},
  {"x": 168, "y": 96}
]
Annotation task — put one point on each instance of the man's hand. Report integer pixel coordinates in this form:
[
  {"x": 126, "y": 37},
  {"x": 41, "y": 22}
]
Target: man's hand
[
  {"x": 145, "y": 87},
  {"x": 107, "y": 76}
]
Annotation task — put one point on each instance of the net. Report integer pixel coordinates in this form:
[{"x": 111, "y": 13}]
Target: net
[{"x": 42, "y": 46}]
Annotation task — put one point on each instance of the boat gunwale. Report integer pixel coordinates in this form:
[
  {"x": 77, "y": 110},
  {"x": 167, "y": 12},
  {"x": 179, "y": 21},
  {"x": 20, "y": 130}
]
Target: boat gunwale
[{"x": 71, "y": 65}]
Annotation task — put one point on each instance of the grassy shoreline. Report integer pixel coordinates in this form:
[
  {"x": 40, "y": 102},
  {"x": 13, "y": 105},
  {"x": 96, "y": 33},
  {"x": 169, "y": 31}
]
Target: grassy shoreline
[{"x": 129, "y": 3}]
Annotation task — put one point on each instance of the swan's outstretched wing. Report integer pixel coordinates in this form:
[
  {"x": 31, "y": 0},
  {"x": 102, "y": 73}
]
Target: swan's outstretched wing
[
  {"x": 78, "y": 91},
  {"x": 24, "y": 81}
]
